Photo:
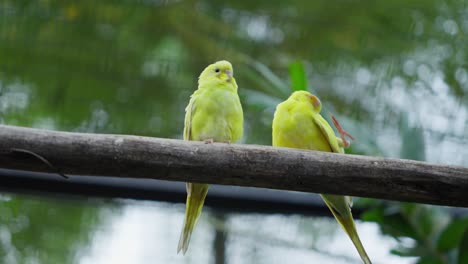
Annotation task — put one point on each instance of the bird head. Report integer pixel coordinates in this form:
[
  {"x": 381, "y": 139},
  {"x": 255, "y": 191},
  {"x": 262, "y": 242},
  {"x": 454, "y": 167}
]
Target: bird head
[
  {"x": 306, "y": 97},
  {"x": 220, "y": 71}
]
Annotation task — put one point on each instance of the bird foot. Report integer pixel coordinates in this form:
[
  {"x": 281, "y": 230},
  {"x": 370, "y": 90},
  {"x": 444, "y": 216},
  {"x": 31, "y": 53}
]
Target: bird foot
[
  {"x": 209, "y": 141},
  {"x": 343, "y": 133}
]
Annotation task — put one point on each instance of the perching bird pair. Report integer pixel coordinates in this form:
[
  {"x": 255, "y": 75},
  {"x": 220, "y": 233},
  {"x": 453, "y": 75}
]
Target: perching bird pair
[{"x": 214, "y": 114}]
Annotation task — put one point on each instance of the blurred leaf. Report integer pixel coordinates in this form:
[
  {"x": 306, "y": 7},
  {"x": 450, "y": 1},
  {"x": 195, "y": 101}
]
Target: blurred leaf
[
  {"x": 391, "y": 222},
  {"x": 452, "y": 234},
  {"x": 397, "y": 226},
  {"x": 408, "y": 208},
  {"x": 373, "y": 215},
  {"x": 417, "y": 250},
  {"x": 362, "y": 202},
  {"x": 423, "y": 218},
  {"x": 429, "y": 260},
  {"x": 298, "y": 76},
  {"x": 278, "y": 84},
  {"x": 463, "y": 250},
  {"x": 259, "y": 100}
]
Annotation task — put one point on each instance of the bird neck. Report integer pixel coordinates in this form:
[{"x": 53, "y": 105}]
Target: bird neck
[{"x": 217, "y": 83}]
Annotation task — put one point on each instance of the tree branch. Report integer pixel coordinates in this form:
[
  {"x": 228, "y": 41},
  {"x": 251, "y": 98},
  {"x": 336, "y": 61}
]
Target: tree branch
[{"x": 242, "y": 165}]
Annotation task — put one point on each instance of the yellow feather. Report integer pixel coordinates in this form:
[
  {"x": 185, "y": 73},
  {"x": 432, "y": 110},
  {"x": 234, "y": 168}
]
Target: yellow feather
[
  {"x": 196, "y": 194},
  {"x": 214, "y": 113},
  {"x": 297, "y": 123}
]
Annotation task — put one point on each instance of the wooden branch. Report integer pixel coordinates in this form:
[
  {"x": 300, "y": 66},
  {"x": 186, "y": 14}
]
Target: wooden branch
[{"x": 242, "y": 165}]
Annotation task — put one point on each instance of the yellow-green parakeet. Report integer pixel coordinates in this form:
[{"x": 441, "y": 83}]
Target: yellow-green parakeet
[
  {"x": 214, "y": 114},
  {"x": 298, "y": 124}
]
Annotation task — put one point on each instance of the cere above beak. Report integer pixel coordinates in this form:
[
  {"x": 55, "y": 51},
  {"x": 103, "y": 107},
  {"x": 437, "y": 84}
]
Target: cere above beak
[
  {"x": 315, "y": 101},
  {"x": 228, "y": 73}
]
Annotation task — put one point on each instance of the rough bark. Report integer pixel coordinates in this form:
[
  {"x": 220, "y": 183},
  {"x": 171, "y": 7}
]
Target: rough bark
[{"x": 233, "y": 164}]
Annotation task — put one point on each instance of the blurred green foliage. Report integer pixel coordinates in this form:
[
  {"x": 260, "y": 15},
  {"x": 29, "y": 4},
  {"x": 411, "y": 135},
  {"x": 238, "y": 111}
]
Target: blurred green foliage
[
  {"x": 298, "y": 76},
  {"x": 44, "y": 230},
  {"x": 393, "y": 72}
]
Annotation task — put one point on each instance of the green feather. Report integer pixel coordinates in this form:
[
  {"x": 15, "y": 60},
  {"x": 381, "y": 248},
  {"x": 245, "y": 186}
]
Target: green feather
[
  {"x": 297, "y": 123},
  {"x": 214, "y": 113}
]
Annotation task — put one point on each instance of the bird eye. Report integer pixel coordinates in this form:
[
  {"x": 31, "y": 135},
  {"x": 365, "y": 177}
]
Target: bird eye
[{"x": 217, "y": 70}]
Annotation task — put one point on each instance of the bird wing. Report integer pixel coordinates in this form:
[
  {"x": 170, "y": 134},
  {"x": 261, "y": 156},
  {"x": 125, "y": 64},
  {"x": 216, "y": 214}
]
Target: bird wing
[
  {"x": 328, "y": 133},
  {"x": 189, "y": 111}
]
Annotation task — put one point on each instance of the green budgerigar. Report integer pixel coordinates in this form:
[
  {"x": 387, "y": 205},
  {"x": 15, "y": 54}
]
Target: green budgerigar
[
  {"x": 214, "y": 114},
  {"x": 298, "y": 124}
]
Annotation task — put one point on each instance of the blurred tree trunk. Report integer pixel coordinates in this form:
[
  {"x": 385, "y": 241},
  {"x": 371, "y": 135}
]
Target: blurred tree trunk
[{"x": 219, "y": 243}]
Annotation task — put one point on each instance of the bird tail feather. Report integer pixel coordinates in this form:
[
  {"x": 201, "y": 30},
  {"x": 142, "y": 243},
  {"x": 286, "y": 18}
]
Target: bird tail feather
[
  {"x": 347, "y": 223},
  {"x": 196, "y": 194}
]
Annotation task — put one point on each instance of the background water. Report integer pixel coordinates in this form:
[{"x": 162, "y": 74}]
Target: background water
[{"x": 395, "y": 74}]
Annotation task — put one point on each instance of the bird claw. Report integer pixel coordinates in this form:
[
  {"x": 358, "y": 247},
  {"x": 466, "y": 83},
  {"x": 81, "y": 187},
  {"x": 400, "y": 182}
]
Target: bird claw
[
  {"x": 209, "y": 141},
  {"x": 343, "y": 133}
]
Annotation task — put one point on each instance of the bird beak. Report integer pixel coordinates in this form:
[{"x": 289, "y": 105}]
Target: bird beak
[{"x": 229, "y": 73}]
